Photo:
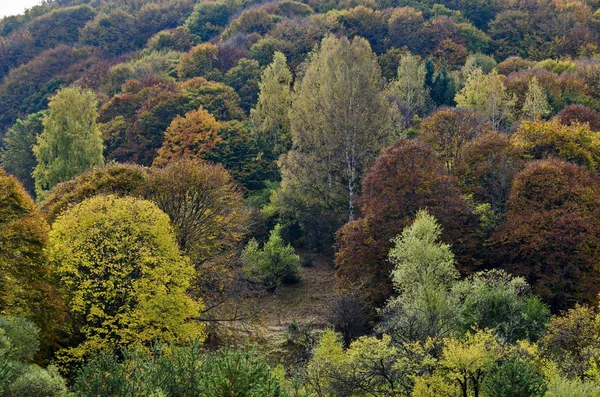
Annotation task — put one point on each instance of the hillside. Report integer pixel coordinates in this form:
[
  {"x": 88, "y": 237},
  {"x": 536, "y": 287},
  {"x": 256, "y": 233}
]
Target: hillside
[{"x": 300, "y": 198}]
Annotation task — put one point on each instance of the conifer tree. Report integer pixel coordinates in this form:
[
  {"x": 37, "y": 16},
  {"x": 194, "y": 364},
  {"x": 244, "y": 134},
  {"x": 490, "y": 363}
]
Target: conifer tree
[{"x": 536, "y": 102}]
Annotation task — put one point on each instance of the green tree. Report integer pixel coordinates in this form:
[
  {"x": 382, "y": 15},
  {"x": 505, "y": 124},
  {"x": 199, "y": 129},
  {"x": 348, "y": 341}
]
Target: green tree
[
  {"x": 19, "y": 342},
  {"x": 536, "y": 102},
  {"x": 122, "y": 276},
  {"x": 409, "y": 87},
  {"x": 486, "y": 93},
  {"x": 423, "y": 275},
  {"x": 16, "y": 154},
  {"x": 274, "y": 264},
  {"x": 514, "y": 376},
  {"x": 270, "y": 117},
  {"x": 71, "y": 142},
  {"x": 339, "y": 121}
]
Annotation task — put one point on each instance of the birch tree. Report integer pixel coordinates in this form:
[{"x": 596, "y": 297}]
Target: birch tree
[
  {"x": 410, "y": 85},
  {"x": 536, "y": 102},
  {"x": 339, "y": 121}
]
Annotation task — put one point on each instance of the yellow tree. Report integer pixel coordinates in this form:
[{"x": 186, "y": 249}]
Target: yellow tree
[
  {"x": 536, "y": 102},
  {"x": 122, "y": 276}
]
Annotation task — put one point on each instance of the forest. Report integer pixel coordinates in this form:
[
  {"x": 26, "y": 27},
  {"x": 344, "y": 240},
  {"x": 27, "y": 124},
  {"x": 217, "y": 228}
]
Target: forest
[{"x": 300, "y": 198}]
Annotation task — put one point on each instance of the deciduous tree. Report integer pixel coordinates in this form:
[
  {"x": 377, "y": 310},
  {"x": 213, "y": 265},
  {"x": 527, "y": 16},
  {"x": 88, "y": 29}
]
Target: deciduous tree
[{"x": 71, "y": 142}]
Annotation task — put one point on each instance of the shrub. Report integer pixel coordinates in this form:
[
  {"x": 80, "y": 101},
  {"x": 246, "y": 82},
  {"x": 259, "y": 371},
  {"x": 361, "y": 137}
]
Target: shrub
[{"x": 275, "y": 264}]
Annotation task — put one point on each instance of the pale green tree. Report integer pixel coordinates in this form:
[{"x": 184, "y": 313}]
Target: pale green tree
[
  {"x": 71, "y": 142},
  {"x": 423, "y": 276},
  {"x": 486, "y": 93},
  {"x": 340, "y": 120},
  {"x": 536, "y": 102},
  {"x": 409, "y": 87},
  {"x": 270, "y": 117}
]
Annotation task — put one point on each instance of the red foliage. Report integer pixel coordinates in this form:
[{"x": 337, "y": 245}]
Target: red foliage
[
  {"x": 408, "y": 176},
  {"x": 552, "y": 232},
  {"x": 579, "y": 114}
]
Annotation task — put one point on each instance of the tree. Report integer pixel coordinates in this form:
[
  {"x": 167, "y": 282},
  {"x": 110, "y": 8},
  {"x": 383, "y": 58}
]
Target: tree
[
  {"x": 423, "y": 276},
  {"x": 198, "y": 61},
  {"x": 448, "y": 130},
  {"x": 487, "y": 94},
  {"x": 71, "y": 142},
  {"x": 19, "y": 342},
  {"x": 409, "y": 87},
  {"x": 573, "y": 114},
  {"x": 536, "y": 103},
  {"x": 469, "y": 359},
  {"x": 191, "y": 136},
  {"x": 549, "y": 139},
  {"x": 486, "y": 169},
  {"x": 122, "y": 276},
  {"x": 551, "y": 231},
  {"x": 339, "y": 121},
  {"x": 274, "y": 264},
  {"x": 514, "y": 376},
  {"x": 408, "y": 176},
  {"x": 206, "y": 209},
  {"x": 572, "y": 342},
  {"x": 504, "y": 304},
  {"x": 16, "y": 155},
  {"x": 115, "y": 179},
  {"x": 245, "y": 79},
  {"x": 270, "y": 117},
  {"x": 443, "y": 89},
  {"x": 24, "y": 274}
]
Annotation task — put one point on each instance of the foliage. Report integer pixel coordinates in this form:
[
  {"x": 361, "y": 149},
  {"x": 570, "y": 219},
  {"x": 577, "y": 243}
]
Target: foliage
[
  {"x": 486, "y": 169},
  {"x": 409, "y": 87},
  {"x": 270, "y": 117},
  {"x": 408, "y": 176},
  {"x": 185, "y": 371},
  {"x": 579, "y": 114},
  {"x": 487, "y": 94},
  {"x": 495, "y": 300},
  {"x": 16, "y": 155},
  {"x": 122, "y": 276},
  {"x": 571, "y": 341},
  {"x": 24, "y": 274},
  {"x": 550, "y": 233},
  {"x": 114, "y": 179},
  {"x": 335, "y": 143},
  {"x": 423, "y": 276},
  {"x": 274, "y": 264},
  {"x": 448, "y": 130},
  {"x": 18, "y": 377},
  {"x": 350, "y": 314},
  {"x": 189, "y": 137},
  {"x": 536, "y": 103},
  {"x": 71, "y": 141},
  {"x": 514, "y": 377},
  {"x": 198, "y": 61}
]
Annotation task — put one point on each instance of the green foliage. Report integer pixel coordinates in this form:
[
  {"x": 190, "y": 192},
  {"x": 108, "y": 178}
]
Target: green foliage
[
  {"x": 18, "y": 377},
  {"x": 274, "y": 264},
  {"x": 495, "y": 300},
  {"x": 423, "y": 276},
  {"x": 16, "y": 155},
  {"x": 536, "y": 103},
  {"x": 514, "y": 377},
  {"x": 573, "y": 388},
  {"x": 487, "y": 94},
  {"x": 71, "y": 142},
  {"x": 185, "y": 371},
  {"x": 122, "y": 276},
  {"x": 334, "y": 142},
  {"x": 209, "y": 19},
  {"x": 270, "y": 116},
  {"x": 409, "y": 87}
]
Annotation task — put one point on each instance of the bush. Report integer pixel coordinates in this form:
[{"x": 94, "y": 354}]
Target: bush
[
  {"x": 514, "y": 377},
  {"x": 38, "y": 382},
  {"x": 273, "y": 265},
  {"x": 349, "y": 315}
]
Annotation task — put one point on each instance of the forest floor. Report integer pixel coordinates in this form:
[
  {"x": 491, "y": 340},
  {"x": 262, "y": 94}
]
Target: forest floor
[{"x": 307, "y": 303}]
